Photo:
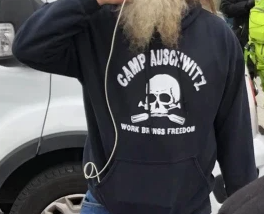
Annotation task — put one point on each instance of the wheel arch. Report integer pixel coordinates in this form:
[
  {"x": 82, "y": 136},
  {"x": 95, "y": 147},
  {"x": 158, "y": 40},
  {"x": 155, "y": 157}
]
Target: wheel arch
[
  {"x": 29, "y": 150},
  {"x": 60, "y": 145}
]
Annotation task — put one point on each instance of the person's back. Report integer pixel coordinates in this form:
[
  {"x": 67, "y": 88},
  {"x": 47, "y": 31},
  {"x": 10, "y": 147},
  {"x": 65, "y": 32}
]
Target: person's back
[
  {"x": 239, "y": 11},
  {"x": 166, "y": 102}
]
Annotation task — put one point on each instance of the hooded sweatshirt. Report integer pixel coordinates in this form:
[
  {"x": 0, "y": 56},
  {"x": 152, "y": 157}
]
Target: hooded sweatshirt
[{"x": 176, "y": 111}]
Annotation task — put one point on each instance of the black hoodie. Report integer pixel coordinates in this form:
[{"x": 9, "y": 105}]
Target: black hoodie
[{"x": 176, "y": 111}]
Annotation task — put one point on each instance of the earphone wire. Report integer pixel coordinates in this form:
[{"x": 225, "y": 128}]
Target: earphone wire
[{"x": 91, "y": 164}]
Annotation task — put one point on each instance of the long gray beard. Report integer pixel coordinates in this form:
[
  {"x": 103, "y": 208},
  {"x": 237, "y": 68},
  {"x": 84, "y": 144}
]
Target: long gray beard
[{"x": 140, "y": 19}]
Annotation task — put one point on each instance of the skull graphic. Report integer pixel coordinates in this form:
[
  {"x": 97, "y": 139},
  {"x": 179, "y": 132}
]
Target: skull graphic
[{"x": 164, "y": 94}]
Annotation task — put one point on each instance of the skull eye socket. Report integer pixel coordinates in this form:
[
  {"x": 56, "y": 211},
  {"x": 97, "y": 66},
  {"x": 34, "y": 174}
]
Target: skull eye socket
[
  {"x": 152, "y": 98},
  {"x": 165, "y": 98}
]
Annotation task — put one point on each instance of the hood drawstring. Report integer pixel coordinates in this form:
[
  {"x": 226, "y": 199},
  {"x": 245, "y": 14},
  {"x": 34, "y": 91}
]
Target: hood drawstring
[{"x": 184, "y": 101}]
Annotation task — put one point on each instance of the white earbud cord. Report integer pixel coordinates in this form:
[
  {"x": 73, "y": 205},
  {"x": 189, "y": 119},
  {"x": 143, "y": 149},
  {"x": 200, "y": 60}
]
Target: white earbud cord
[{"x": 91, "y": 164}]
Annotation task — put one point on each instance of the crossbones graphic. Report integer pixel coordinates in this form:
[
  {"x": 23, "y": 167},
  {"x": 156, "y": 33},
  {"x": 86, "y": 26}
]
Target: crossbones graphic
[{"x": 163, "y": 93}]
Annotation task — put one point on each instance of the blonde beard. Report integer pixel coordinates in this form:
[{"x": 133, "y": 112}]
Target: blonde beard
[{"x": 140, "y": 19}]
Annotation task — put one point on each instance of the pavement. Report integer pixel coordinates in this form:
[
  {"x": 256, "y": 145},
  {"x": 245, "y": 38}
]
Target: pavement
[{"x": 260, "y": 101}]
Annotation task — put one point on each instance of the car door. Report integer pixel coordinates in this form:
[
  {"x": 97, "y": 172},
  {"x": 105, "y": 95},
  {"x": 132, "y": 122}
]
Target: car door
[{"x": 24, "y": 97}]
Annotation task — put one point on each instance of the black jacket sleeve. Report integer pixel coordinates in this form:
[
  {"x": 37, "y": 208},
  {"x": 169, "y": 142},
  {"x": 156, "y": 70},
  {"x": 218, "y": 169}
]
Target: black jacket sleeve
[
  {"x": 234, "y": 8},
  {"x": 46, "y": 40},
  {"x": 235, "y": 151}
]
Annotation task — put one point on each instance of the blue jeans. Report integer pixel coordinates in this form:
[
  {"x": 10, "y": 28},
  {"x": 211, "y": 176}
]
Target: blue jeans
[{"x": 91, "y": 206}]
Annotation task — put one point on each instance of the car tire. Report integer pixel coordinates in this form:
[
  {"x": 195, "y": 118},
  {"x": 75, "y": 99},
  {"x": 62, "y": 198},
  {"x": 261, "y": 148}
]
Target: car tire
[{"x": 48, "y": 187}]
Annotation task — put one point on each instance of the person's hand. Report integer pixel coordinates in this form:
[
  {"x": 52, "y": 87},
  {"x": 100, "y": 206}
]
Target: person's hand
[
  {"x": 250, "y": 4},
  {"x": 102, "y": 2}
]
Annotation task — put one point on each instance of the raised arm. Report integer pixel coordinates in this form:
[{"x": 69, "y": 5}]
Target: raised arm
[{"x": 46, "y": 40}]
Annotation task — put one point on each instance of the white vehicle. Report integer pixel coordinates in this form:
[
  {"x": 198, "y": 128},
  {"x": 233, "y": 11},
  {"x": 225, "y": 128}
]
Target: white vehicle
[{"x": 42, "y": 134}]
